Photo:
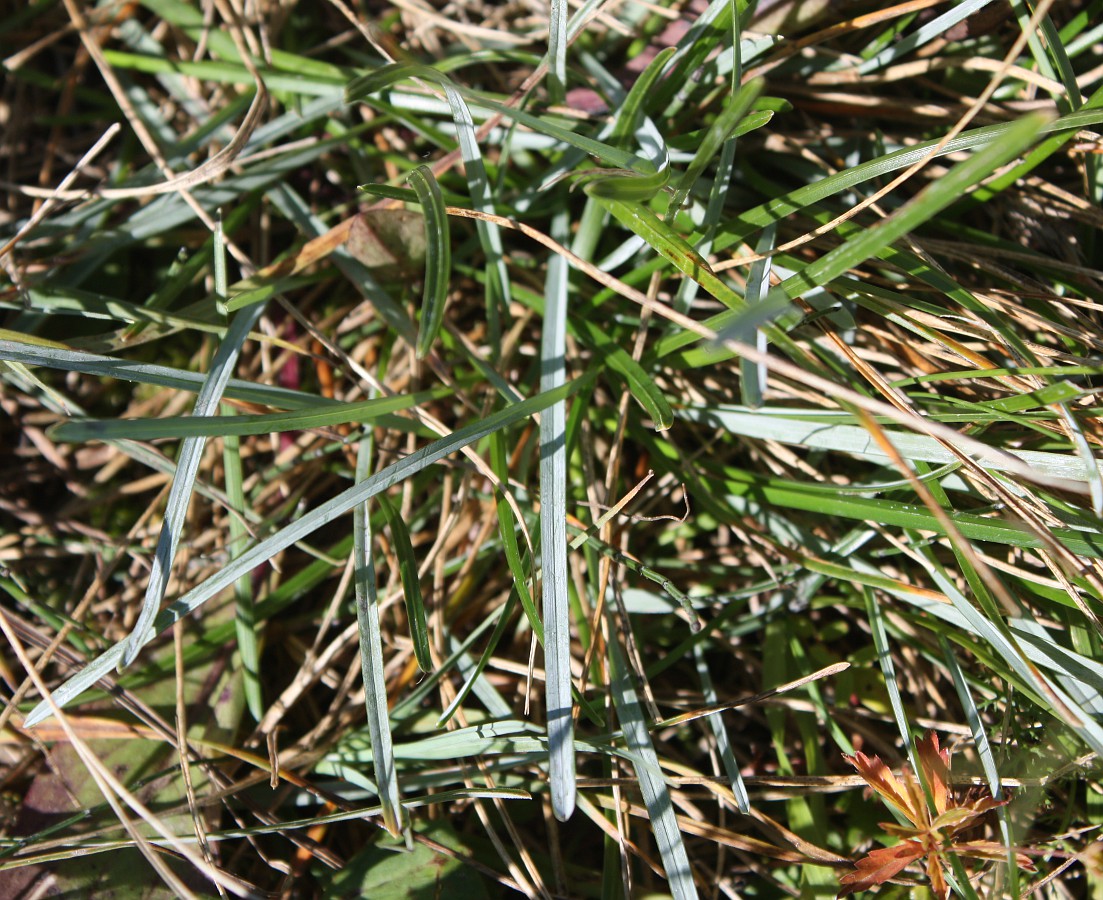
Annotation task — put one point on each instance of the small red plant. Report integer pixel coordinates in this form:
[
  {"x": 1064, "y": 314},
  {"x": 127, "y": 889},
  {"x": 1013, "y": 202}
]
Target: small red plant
[{"x": 932, "y": 832}]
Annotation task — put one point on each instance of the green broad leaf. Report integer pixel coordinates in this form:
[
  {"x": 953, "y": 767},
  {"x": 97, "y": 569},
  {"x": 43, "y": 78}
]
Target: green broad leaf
[{"x": 388, "y": 871}]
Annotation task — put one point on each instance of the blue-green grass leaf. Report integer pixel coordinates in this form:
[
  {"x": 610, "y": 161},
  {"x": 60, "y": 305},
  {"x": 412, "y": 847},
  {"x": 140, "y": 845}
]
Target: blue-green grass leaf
[
  {"x": 305, "y": 525},
  {"x": 371, "y": 651}
]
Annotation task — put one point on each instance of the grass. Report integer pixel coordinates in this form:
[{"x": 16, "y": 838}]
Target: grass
[{"x": 507, "y": 449}]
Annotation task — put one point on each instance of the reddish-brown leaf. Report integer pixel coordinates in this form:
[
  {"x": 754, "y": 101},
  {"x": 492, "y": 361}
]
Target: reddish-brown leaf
[
  {"x": 879, "y": 777},
  {"x": 935, "y": 764},
  {"x": 939, "y": 888},
  {"x": 879, "y": 866},
  {"x": 992, "y": 850}
]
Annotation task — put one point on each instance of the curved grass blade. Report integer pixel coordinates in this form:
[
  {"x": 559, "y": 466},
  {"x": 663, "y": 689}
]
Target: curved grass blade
[
  {"x": 641, "y": 385},
  {"x": 387, "y": 75},
  {"x": 307, "y": 524},
  {"x": 553, "y": 535},
  {"x": 498, "y": 291},
  {"x": 411, "y": 585},
  {"x": 335, "y": 413},
  {"x": 187, "y": 466},
  {"x": 371, "y": 651},
  {"x": 633, "y": 107},
  {"x": 68, "y": 360},
  {"x": 507, "y": 528},
  {"x": 438, "y": 258}
]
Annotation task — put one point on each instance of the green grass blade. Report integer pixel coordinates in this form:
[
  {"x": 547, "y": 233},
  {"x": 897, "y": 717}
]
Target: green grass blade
[
  {"x": 147, "y": 373},
  {"x": 307, "y": 524},
  {"x": 334, "y": 413},
  {"x": 720, "y": 732},
  {"x": 720, "y": 131},
  {"x": 656, "y": 796},
  {"x": 411, "y": 584},
  {"x": 888, "y": 670},
  {"x": 926, "y": 33},
  {"x": 987, "y": 757},
  {"x": 371, "y": 652},
  {"x": 753, "y": 382},
  {"x": 187, "y": 468},
  {"x": 438, "y": 258},
  {"x": 499, "y": 293},
  {"x": 557, "y": 51},
  {"x": 934, "y": 198},
  {"x": 553, "y": 535},
  {"x": 245, "y": 622}
]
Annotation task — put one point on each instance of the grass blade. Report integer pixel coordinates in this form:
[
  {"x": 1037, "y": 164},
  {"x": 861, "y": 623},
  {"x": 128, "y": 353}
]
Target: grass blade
[
  {"x": 438, "y": 258},
  {"x": 245, "y": 621},
  {"x": 411, "y": 584},
  {"x": 553, "y": 536},
  {"x": 371, "y": 652},
  {"x": 187, "y": 467},
  {"x": 307, "y": 524},
  {"x": 656, "y": 796},
  {"x": 333, "y": 413}
]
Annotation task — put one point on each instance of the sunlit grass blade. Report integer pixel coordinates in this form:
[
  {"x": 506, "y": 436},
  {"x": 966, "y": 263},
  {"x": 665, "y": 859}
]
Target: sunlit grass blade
[
  {"x": 888, "y": 671},
  {"x": 307, "y": 524},
  {"x": 720, "y": 733},
  {"x": 333, "y": 413},
  {"x": 438, "y": 258},
  {"x": 936, "y": 196},
  {"x": 557, "y": 51},
  {"x": 656, "y": 796},
  {"x": 499, "y": 294},
  {"x": 371, "y": 652},
  {"x": 553, "y": 536},
  {"x": 825, "y": 432},
  {"x": 411, "y": 585},
  {"x": 147, "y": 373},
  {"x": 987, "y": 757},
  {"x": 187, "y": 466},
  {"x": 753, "y": 383},
  {"x": 367, "y": 85},
  {"x": 927, "y": 32}
]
